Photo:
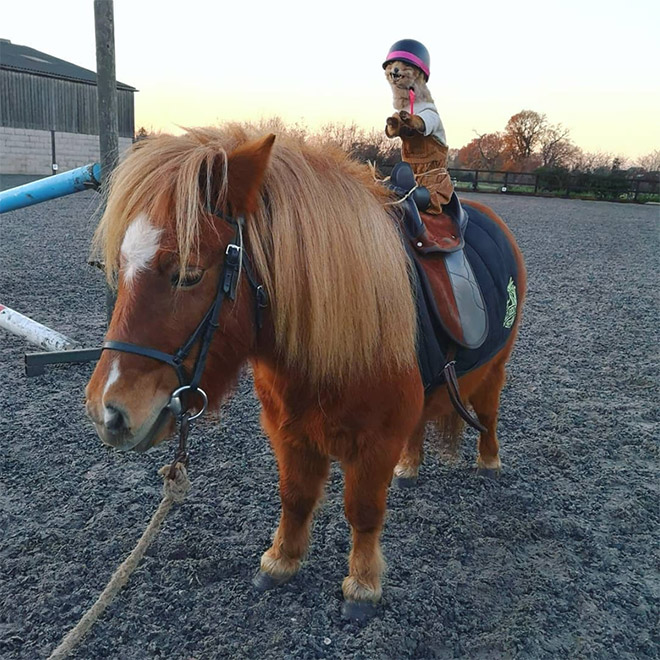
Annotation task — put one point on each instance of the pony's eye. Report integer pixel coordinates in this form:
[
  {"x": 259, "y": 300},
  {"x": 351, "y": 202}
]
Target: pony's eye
[{"x": 188, "y": 278}]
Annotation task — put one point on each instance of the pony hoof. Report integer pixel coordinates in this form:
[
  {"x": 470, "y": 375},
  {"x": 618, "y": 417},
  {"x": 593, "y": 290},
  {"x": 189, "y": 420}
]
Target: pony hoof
[
  {"x": 405, "y": 482},
  {"x": 265, "y": 581},
  {"x": 358, "y": 610}
]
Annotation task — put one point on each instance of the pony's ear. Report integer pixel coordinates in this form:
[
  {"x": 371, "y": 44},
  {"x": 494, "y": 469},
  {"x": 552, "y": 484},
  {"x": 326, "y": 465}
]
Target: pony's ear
[{"x": 246, "y": 168}]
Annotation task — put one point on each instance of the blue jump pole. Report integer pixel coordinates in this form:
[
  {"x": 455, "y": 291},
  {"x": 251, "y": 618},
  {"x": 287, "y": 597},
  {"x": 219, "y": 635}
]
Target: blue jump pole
[{"x": 82, "y": 178}]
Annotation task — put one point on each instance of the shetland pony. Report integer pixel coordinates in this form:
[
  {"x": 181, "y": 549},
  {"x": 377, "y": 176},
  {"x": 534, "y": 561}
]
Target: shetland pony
[{"x": 333, "y": 352}]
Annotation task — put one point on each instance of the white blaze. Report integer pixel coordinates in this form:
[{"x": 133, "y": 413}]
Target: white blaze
[
  {"x": 113, "y": 377},
  {"x": 139, "y": 246}
]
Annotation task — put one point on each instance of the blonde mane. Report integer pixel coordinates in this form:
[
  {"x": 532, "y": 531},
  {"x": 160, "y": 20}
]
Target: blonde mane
[{"x": 330, "y": 257}]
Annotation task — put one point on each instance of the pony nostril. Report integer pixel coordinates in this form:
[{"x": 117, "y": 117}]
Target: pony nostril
[{"x": 114, "y": 419}]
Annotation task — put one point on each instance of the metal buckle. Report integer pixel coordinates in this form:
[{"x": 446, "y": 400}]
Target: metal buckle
[
  {"x": 176, "y": 405},
  {"x": 262, "y": 296}
]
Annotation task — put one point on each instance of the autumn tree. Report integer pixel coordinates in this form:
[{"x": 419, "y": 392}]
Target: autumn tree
[
  {"x": 492, "y": 149},
  {"x": 469, "y": 156},
  {"x": 486, "y": 151},
  {"x": 523, "y": 133}
]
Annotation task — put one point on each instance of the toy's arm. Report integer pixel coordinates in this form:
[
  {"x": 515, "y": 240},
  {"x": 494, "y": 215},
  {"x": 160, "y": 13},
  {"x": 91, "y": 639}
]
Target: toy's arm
[
  {"x": 392, "y": 126},
  {"x": 413, "y": 124},
  {"x": 403, "y": 124}
]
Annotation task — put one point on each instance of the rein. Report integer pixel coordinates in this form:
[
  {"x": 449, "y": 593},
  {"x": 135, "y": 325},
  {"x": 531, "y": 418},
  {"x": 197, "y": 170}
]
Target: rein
[{"x": 236, "y": 260}]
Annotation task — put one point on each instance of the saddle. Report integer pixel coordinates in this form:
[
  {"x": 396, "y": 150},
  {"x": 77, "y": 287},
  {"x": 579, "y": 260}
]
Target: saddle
[{"x": 436, "y": 245}]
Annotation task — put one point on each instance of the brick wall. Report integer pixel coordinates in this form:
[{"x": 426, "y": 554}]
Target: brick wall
[{"x": 26, "y": 151}]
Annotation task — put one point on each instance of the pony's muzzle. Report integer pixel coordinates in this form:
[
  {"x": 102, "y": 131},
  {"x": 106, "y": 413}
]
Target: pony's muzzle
[
  {"x": 114, "y": 427},
  {"x": 117, "y": 429}
]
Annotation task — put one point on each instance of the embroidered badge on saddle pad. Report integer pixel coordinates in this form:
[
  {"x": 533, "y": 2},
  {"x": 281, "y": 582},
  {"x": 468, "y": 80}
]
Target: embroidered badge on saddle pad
[{"x": 511, "y": 305}]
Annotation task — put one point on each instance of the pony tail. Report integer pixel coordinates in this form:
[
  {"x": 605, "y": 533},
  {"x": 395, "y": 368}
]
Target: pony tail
[{"x": 446, "y": 434}]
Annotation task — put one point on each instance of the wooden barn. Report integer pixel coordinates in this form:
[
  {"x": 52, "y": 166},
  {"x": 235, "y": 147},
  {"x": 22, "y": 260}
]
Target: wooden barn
[{"x": 49, "y": 116}]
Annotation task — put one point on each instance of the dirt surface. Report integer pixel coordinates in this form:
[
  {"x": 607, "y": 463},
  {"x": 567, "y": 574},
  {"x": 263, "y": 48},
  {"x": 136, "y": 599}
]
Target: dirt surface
[{"x": 559, "y": 558}]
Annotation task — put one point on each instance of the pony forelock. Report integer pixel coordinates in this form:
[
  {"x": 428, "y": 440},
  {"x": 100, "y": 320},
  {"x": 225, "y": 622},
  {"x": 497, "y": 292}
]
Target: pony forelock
[{"x": 161, "y": 178}]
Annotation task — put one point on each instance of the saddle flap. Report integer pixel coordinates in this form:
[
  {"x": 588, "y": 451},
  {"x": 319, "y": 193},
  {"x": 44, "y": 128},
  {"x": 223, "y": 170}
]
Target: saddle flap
[
  {"x": 470, "y": 305},
  {"x": 454, "y": 298}
]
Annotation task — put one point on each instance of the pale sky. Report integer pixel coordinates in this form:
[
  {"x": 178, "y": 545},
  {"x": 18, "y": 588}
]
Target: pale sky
[{"x": 591, "y": 65}]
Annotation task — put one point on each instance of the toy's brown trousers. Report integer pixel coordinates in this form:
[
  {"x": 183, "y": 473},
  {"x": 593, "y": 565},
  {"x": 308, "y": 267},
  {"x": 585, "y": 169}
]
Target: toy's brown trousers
[{"x": 428, "y": 159}]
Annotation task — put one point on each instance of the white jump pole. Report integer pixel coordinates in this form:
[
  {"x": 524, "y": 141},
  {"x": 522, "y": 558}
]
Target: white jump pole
[{"x": 34, "y": 332}]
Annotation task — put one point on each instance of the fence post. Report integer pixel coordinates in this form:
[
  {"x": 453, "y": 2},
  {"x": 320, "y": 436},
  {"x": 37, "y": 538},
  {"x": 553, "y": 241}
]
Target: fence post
[
  {"x": 536, "y": 184},
  {"x": 475, "y": 183},
  {"x": 106, "y": 81},
  {"x": 636, "y": 190},
  {"x": 106, "y": 86}
]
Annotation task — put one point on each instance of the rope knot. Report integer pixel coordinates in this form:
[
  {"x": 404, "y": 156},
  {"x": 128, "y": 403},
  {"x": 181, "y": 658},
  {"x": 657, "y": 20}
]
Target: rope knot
[{"x": 175, "y": 482}]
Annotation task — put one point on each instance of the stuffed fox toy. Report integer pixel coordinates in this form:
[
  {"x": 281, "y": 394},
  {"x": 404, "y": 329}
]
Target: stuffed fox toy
[{"x": 417, "y": 122}]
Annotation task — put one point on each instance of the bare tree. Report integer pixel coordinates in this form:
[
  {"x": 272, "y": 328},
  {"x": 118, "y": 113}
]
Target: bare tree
[
  {"x": 343, "y": 135},
  {"x": 453, "y": 159},
  {"x": 650, "y": 162},
  {"x": 591, "y": 162},
  {"x": 556, "y": 149}
]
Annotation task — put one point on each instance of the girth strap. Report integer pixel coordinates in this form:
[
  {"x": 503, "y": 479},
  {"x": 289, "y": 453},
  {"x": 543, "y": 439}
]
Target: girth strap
[{"x": 449, "y": 373}]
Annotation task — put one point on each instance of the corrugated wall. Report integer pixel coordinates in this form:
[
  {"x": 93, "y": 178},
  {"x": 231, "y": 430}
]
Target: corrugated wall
[{"x": 38, "y": 102}]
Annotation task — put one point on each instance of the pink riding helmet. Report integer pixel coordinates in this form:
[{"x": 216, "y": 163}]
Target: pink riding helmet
[{"x": 410, "y": 51}]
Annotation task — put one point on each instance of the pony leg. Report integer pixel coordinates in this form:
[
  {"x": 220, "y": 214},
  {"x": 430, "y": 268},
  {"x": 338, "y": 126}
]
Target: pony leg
[
  {"x": 303, "y": 472},
  {"x": 407, "y": 469},
  {"x": 486, "y": 403},
  {"x": 366, "y": 481}
]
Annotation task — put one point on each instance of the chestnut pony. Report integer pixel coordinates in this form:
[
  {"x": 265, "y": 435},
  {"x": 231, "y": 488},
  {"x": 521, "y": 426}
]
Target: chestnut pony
[{"x": 332, "y": 350}]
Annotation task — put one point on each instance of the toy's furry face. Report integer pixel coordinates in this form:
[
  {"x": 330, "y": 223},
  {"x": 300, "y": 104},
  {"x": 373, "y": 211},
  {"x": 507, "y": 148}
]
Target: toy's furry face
[{"x": 404, "y": 76}]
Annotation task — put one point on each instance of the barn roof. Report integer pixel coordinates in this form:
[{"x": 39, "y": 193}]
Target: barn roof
[{"x": 23, "y": 58}]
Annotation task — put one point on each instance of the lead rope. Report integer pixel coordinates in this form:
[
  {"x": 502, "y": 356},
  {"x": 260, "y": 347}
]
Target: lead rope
[{"x": 175, "y": 488}]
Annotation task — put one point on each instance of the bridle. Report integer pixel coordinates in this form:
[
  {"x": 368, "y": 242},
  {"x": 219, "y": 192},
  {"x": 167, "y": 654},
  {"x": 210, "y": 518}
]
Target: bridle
[{"x": 236, "y": 260}]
